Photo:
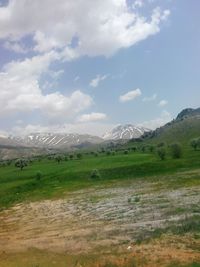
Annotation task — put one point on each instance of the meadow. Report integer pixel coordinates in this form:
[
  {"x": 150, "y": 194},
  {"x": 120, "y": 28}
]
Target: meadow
[
  {"x": 145, "y": 201},
  {"x": 58, "y": 178}
]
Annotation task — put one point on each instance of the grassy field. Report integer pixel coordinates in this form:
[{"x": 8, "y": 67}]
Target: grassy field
[
  {"x": 139, "y": 201},
  {"x": 58, "y": 178}
]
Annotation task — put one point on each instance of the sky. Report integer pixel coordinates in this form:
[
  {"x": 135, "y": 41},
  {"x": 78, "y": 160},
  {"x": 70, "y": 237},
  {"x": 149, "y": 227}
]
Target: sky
[{"x": 86, "y": 66}]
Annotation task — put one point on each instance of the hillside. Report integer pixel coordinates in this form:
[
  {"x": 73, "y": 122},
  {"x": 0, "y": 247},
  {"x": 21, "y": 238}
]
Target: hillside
[{"x": 185, "y": 127}]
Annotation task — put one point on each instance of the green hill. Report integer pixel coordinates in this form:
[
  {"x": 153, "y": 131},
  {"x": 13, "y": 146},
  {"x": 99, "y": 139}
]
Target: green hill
[{"x": 182, "y": 129}]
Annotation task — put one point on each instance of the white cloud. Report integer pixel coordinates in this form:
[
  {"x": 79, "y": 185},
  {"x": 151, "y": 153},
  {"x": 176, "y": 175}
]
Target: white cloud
[
  {"x": 150, "y": 98},
  {"x": 101, "y": 27},
  {"x": 162, "y": 103},
  {"x": 21, "y": 92},
  {"x": 16, "y": 47},
  {"x": 138, "y": 3},
  {"x": 99, "y": 78},
  {"x": 56, "y": 74},
  {"x": 93, "y": 128},
  {"x": 157, "y": 122},
  {"x": 130, "y": 95},
  {"x": 92, "y": 117}
]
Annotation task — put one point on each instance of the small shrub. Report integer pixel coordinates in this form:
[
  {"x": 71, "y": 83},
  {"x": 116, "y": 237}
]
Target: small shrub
[
  {"x": 95, "y": 174},
  {"x": 129, "y": 200},
  {"x": 137, "y": 199},
  {"x": 38, "y": 175},
  {"x": 161, "y": 153},
  {"x": 125, "y": 152}
]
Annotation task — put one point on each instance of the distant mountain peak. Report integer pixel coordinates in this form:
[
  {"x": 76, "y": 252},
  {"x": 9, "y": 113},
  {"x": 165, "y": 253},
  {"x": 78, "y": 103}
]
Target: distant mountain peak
[{"x": 126, "y": 131}]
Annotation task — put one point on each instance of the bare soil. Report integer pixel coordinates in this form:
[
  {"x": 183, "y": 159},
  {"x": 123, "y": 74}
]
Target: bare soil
[{"x": 104, "y": 221}]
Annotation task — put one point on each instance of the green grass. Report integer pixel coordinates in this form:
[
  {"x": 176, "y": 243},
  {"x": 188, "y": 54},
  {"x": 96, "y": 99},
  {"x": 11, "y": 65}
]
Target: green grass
[{"x": 59, "y": 178}]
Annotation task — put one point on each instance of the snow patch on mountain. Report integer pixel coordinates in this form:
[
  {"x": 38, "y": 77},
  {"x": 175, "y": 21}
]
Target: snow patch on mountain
[{"x": 127, "y": 131}]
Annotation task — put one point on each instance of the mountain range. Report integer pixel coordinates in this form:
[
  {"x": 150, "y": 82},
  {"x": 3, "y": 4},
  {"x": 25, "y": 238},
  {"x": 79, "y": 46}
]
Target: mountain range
[
  {"x": 66, "y": 140},
  {"x": 186, "y": 125}
]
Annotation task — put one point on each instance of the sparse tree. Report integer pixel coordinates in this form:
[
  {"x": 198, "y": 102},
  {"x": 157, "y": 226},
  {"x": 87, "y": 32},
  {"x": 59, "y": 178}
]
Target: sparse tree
[
  {"x": 176, "y": 151},
  {"x": 161, "y": 144},
  {"x": 58, "y": 158},
  {"x": 71, "y": 156},
  {"x": 151, "y": 148},
  {"x": 21, "y": 163},
  {"x": 108, "y": 153},
  {"x": 79, "y": 156},
  {"x": 194, "y": 143},
  {"x": 161, "y": 153}
]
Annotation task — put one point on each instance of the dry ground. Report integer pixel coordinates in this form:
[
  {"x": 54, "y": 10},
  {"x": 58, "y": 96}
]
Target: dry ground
[{"x": 93, "y": 226}]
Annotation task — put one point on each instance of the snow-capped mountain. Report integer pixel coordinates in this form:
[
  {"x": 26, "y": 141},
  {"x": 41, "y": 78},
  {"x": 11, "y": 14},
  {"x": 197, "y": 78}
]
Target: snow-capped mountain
[
  {"x": 127, "y": 131},
  {"x": 55, "y": 140},
  {"x": 67, "y": 140}
]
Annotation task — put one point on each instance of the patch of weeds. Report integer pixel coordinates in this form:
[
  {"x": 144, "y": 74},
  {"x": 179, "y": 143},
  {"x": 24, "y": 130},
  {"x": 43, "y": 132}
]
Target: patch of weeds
[
  {"x": 188, "y": 225},
  {"x": 177, "y": 264},
  {"x": 176, "y": 211},
  {"x": 132, "y": 200},
  {"x": 137, "y": 199}
]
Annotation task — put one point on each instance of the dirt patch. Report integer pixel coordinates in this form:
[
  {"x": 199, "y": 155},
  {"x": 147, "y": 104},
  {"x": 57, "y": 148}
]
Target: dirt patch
[{"x": 103, "y": 220}]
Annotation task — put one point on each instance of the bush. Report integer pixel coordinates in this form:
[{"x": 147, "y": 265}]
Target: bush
[
  {"x": 161, "y": 153},
  {"x": 95, "y": 174},
  {"x": 38, "y": 175},
  {"x": 126, "y": 152},
  {"x": 176, "y": 151}
]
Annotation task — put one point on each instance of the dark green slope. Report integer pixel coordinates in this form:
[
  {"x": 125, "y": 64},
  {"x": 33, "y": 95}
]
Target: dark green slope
[{"x": 182, "y": 129}]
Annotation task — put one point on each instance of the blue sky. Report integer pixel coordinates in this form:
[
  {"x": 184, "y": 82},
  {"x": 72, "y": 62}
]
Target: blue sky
[{"x": 87, "y": 66}]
